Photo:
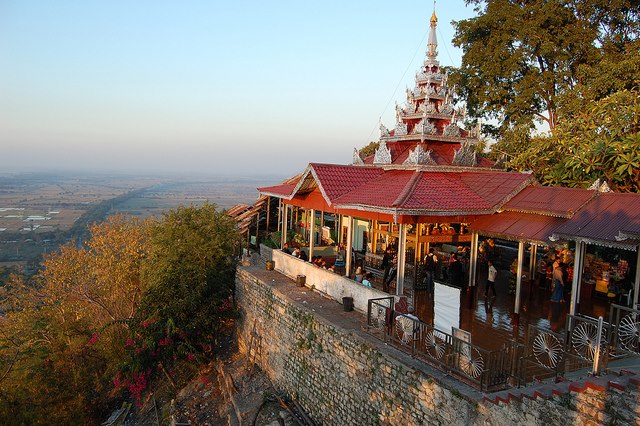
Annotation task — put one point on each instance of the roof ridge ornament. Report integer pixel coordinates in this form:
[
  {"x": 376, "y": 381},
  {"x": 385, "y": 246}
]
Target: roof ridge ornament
[
  {"x": 600, "y": 186},
  {"x": 383, "y": 154},
  {"x": 357, "y": 160},
  {"x": 432, "y": 42},
  {"x": 419, "y": 157},
  {"x": 465, "y": 156}
]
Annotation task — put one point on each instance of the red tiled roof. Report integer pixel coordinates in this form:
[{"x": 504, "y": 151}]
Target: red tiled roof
[
  {"x": 551, "y": 201},
  {"x": 517, "y": 226},
  {"x": 282, "y": 190},
  {"x": 336, "y": 180},
  {"x": 602, "y": 220},
  {"x": 436, "y": 191}
]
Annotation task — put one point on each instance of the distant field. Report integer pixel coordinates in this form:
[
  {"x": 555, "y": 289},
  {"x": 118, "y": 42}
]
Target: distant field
[{"x": 38, "y": 210}]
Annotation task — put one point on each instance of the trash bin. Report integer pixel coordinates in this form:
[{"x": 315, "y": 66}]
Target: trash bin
[
  {"x": 301, "y": 280},
  {"x": 347, "y": 304},
  {"x": 270, "y": 265}
]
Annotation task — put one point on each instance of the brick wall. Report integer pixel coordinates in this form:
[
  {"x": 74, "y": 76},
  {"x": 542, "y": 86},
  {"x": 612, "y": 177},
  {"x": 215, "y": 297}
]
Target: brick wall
[{"x": 344, "y": 377}]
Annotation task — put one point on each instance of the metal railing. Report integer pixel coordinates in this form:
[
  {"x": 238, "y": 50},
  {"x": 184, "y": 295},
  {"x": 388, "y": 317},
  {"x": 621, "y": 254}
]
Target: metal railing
[
  {"x": 625, "y": 336},
  {"x": 481, "y": 368},
  {"x": 587, "y": 346}
]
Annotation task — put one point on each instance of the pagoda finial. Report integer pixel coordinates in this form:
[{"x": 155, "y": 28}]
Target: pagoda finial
[{"x": 432, "y": 43}]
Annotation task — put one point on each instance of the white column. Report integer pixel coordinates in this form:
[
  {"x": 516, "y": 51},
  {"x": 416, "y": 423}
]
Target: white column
[
  {"x": 577, "y": 276},
  {"x": 516, "y": 308},
  {"x": 402, "y": 248},
  {"x": 533, "y": 254},
  {"x": 280, "y": 215},
  {"x": 636, "y": 287},
  {"x": 283, "y": 237},
  {"x": 473, "y": 260},
  {"x": 349, "y": 249},
  {"x": 312, "y": 233}
]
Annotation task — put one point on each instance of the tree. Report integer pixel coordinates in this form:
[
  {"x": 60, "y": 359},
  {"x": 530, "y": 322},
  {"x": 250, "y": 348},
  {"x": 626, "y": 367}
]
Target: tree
[
  {"x": 63, "y": 335},
  {"x": 602, "y": 142},
  {"x": 368, "y": 149},
  {"x": 526, "y": 63},
  {"x": 190, "y": 277}
]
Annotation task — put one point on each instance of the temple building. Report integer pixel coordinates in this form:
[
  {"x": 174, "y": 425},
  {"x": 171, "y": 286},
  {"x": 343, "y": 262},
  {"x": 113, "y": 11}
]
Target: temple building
[{"x": 426, "y": 187}]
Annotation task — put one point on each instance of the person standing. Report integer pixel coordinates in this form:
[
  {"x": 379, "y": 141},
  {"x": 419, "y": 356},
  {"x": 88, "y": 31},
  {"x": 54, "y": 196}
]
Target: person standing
[
  {"x": 430, "y": 263},
  {"x": 386, "y": 266},
  {"x": 491, "y": 279},
  {"x": 557, "y": 294},
  {"x": 456, "y": 272}
]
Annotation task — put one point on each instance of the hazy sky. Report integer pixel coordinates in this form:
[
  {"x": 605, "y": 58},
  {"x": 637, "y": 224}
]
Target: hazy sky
[{"x": 220, "y": 87}]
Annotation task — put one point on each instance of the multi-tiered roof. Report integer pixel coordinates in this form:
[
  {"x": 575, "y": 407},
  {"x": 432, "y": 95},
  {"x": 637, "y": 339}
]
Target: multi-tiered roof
[{"x": 427, "y": 130}]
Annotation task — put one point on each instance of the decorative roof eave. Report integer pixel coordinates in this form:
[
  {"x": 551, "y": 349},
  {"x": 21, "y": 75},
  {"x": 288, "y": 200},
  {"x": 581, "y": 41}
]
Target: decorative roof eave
[
  {"x": 305, "y": 178},
  {"x": 277, "y": 195},
  {"x": 436, "y": 168},
  {"x": 631, "y": 245},
  {"x": 511, "y": 237},
  {"x": 627, "y": 235},
  {"x": 413, "y": 212},
  {"x": 548, "y": 213},
  {"x": 416, "y": 137}
]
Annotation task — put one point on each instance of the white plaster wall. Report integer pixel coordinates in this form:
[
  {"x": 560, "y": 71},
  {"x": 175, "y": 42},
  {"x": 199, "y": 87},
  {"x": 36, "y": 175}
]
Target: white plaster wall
[{"x": 333, "y": 285}]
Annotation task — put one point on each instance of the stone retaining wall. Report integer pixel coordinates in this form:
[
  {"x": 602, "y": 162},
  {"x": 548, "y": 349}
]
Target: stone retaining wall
[{"x": 344, "y": 377}]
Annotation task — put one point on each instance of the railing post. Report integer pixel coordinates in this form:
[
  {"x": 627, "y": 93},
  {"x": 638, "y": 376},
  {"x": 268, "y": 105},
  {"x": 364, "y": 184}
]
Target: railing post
[{"x": 596, "y": 358}]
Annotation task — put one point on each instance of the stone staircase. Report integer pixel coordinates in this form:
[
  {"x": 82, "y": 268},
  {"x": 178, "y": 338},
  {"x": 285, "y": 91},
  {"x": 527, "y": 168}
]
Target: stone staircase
[{"x": 620, "y": 381}]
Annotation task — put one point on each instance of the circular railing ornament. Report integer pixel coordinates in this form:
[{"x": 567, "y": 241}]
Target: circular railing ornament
[
  {"x": 629, "y": 333},
  {"x": 584, "y": 339},
  {"x": 471, "y": 361},
  {"x": 404, "y": 329},
  {"x": 435, "y": 344},
  {"x": 379, "y": 317},
  {"x": 547, "y": 349}
]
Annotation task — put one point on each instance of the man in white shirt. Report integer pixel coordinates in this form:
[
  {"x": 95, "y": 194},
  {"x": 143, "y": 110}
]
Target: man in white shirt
[{"x": 491, "y": 279}]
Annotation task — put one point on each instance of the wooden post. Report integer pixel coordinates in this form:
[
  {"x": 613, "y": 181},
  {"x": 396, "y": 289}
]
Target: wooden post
[
  {"x": 268, "y": 212},
  {"x": 402, "y": 248},
  {"x": 349, "y": 250},
  {"x": 285, "y": 222},
  {"x": 312, "y": 232},
  {"x": 280, "y": 214}
]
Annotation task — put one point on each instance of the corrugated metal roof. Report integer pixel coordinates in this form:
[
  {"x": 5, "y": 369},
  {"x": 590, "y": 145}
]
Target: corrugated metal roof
[
  {"x": 602, "y": 220},
  {"x": 551, "y": 201},
  {"x": 517, "y": 226}
]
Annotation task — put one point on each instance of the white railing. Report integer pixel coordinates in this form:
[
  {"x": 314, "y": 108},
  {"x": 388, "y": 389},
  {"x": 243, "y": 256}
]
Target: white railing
[{"x": 331, "y": 284}]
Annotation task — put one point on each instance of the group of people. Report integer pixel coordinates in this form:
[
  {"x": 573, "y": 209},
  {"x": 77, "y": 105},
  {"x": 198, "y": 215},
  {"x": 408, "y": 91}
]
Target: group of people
[
  {"x": 300, "y": 254},
  {"x": 363, "y": 277}
]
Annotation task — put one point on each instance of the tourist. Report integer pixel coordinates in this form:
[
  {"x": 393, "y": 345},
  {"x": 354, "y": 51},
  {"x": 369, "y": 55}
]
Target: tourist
[
  {"x": 359, "y": 276},
  {"x": 386, "y": 266},
  {"x": 491, "y": 279},
  {"x": 430, "y": 263},
  {"x": 303, "y": 255},
  {"x": 456, "y": 272},
  {"x": 557, "y": 294},
  {"x": 296, "y": 252},
  {"x": 368, "y": 277},
  {"x": 285, "y": 248},
  {"x": 392, "y": 273}
]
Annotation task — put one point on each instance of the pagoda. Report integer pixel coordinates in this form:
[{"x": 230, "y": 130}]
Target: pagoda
[
  {"x": 427, "y": 131},
  {"x": 424, "y": 187}
]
